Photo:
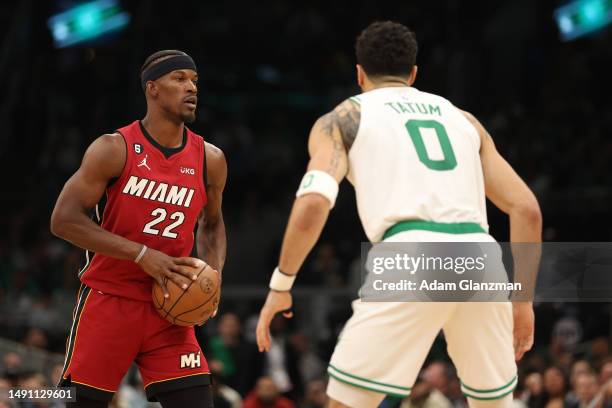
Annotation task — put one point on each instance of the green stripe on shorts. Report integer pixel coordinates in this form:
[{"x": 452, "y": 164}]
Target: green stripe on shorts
[
  {"x": 366, "y": 384},
  {"x": 492, "y": 393}
]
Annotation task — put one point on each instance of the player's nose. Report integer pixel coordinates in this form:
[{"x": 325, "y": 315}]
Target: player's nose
[{"x": 192, "y": 86}]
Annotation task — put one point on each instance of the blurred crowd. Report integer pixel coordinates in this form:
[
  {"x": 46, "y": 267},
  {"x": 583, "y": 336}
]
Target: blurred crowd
[
  {"x": 266, "y": 74},
  {"x": 565, "y": 372}
]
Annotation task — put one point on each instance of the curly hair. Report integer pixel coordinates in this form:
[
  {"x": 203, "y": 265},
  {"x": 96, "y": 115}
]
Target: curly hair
[{"x": 386, "y": 48}]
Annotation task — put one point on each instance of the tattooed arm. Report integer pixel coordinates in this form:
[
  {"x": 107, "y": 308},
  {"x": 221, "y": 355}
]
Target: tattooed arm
[
  {"x": 330, "y": 138},
  {"x": 327, "y": 149}
]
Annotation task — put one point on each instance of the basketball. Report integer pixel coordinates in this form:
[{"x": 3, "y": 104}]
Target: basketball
[{"x": 192, "y": 306}]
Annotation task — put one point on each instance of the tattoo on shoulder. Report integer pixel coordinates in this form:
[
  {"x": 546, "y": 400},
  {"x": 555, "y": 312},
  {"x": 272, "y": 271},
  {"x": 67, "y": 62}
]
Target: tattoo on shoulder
[{"x": 346, "y": 118}]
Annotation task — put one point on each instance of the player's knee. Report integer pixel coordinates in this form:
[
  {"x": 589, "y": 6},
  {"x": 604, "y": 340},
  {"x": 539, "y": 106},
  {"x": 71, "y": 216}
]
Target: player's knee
[{"x": 505, "y": 402}]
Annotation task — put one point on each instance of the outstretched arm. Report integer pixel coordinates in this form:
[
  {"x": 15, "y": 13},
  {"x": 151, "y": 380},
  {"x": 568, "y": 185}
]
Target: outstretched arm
[
  {"x": 211, "y": 239},
  {"x": 328, "y": 154}
]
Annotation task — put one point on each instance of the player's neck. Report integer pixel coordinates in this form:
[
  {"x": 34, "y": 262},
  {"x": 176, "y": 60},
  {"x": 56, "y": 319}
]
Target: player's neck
[
  {"x": 165, "y": 132},
  {"x": 386, "y": 81},
  {"x": 391, "y": 83}
]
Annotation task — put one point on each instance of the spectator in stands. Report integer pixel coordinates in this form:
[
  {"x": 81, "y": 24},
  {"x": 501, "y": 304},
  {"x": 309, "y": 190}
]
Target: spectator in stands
[
  {"x": 586, "y": 390},
  {"x": 533, "y": 395},
  {"x": 35, "y": 337},
  {"x": 315, "y": 396},
  {"x": 600, "y": 350},
  {"x": 326, "y": 268},
  {"x": 36, "y": 381},
  {"x": 310, "y": 364},
  {"x": 606, "y": 394},
  {"x": 605, "y": 373},
  {"x": 56, "y": 373},
  {"x": 281, "y": 364},
  {"x": 424, "y": 395},
  {"x": 4, "y": 387},
  {"x": 228, "y": 349},
  {"x": 266, "y": 395},
  {"x": 12, "y": 366},
  {"x": 442, "y": 376},
  {"x": 555, "y": 386},
  {"x": 436, "y": 374},
  {"x": 223, "y": 395},
  {"x": 578, "y": 367}
]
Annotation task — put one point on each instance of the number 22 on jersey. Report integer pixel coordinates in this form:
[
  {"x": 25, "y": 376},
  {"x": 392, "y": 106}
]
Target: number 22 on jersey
[{"x": 160, "y": 215}]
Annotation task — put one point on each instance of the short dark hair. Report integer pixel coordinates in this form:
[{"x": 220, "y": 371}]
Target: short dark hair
[
  {"x": 158, "y": 56},
  {"x": 386, "y": 48}
]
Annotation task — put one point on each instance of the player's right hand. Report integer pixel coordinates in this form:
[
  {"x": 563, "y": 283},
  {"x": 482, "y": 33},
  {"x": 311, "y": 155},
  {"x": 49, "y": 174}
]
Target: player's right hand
[
  {"x": 160, "y": 266},
  {"x": 275, "y": 302},
  {"x": 524, "y": 320}
]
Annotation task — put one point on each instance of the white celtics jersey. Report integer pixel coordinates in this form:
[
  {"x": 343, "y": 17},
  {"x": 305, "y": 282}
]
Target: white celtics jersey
[{"x": 415, "y": 157}]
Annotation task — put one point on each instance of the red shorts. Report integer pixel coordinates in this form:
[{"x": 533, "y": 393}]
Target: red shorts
[{"x": 110, "y": 332}]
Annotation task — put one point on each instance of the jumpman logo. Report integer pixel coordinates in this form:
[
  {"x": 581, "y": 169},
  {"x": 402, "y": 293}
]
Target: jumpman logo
[{"x": 144, "y": 163}]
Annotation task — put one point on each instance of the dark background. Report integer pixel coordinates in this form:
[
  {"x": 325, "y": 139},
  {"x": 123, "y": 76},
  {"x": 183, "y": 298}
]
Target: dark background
[{"x": 267, "y": 70}]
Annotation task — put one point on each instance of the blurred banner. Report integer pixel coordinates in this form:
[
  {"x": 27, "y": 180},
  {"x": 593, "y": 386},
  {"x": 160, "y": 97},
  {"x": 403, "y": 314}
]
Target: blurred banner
[
  {"x": 582, "y": 17},
  {"x": 86, "y": 22}
]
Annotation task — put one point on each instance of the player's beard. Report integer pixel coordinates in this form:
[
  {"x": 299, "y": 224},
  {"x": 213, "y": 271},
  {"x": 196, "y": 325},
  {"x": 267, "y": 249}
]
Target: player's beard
[{"x": 188, "y": 117}]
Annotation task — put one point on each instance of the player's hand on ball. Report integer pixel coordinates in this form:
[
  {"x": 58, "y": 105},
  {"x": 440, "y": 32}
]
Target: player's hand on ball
[
  {"x": 523, "y": 328},
  {"x": 275, "y": 302},
  {"x": 162, "y": 267}
]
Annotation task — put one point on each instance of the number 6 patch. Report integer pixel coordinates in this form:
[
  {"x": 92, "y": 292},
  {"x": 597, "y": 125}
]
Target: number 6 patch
[{"x": 138, "y": 148}]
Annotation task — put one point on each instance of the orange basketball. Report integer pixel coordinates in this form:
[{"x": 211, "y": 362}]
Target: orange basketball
[{"x": 194, "y": 305}]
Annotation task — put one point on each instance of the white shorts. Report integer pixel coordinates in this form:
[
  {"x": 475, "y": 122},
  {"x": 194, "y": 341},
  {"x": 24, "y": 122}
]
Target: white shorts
[{"x": 384, "y": 344}]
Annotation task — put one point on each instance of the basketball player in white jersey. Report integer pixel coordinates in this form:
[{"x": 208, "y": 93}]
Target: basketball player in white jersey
[{"x": 421, "y": 168}]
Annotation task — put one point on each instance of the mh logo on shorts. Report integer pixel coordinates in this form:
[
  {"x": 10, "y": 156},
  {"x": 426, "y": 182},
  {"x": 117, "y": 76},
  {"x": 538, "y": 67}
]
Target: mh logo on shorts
[{"x": 191, "y": 360}]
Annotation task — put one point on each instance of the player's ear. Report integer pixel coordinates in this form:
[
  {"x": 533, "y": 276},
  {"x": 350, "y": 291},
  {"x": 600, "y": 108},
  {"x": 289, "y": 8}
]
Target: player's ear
[
  {"x": 152, "y": 88},
  {"x": 360, "y": 76},
  {"x": 413, "y": 75}
]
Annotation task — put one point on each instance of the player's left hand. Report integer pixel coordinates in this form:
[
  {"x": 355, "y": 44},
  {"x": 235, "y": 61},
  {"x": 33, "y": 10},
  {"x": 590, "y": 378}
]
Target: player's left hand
[
  {"x": 275, "y": 302},
  {"x": 524, "y": 322}
]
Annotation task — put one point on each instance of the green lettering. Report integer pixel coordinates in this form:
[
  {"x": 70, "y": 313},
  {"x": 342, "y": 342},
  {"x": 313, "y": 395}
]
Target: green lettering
[
  {"x": 308, "y": 181},
  {"x": 434, "y": 108},
  {"x": 422, "y": 109},
  {"x": 402, "y": 107},
  {"x": 390, "y": 104}
]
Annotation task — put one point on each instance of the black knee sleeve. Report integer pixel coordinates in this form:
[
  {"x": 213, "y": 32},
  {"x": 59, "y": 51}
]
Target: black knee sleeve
[
  {"x": 87, "y": 403},
  {"x": 196, "y": 397}
]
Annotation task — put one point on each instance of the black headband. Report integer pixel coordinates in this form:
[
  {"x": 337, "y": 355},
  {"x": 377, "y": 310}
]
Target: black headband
[{"x": 170, "y": 64}]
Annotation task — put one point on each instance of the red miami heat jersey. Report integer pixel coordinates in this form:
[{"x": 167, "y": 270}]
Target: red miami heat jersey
[{"x": 155, "y": 201}]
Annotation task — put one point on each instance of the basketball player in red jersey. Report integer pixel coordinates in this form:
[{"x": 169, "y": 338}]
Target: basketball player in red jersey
[{"x": 151, "y": 184}]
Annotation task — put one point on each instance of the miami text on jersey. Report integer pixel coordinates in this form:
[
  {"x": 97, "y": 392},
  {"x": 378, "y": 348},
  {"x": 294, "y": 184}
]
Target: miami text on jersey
[{"x": 155, "y": 191}]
